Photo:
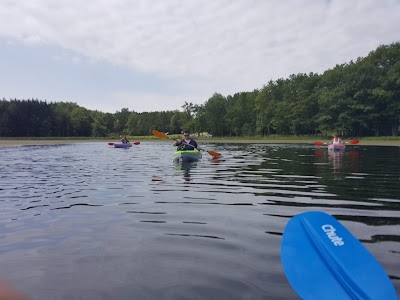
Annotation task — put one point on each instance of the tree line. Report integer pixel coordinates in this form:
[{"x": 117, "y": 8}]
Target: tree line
[{"x": 360, "y": 98}]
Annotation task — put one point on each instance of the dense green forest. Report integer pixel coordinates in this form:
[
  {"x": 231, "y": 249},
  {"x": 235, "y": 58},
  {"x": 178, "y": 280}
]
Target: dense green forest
[{"x": 360, "y": 98}]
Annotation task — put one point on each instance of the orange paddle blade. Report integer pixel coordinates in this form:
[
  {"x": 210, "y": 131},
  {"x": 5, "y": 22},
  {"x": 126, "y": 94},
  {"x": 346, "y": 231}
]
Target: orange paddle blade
[
  {"x": 318, "y": 143},
  {"x": 159, "y": 134},
  {"x": 353, "y": 142},
  {"x": 213, "y": 153}
]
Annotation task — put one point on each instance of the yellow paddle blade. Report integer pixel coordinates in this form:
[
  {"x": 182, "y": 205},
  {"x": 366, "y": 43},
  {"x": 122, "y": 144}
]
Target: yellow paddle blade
[{"x": 159, "y": 134}]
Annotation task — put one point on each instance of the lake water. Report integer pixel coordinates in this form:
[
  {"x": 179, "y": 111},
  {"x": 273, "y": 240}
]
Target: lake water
[{"x": 86, "y": 221}]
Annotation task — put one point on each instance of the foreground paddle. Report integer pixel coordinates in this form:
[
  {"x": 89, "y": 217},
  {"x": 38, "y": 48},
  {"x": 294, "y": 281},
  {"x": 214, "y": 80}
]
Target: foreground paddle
[
  {"x": 353, "y": 142},
  {"x": 323, "y": 260},
  {"x": 162, "y": 135}
]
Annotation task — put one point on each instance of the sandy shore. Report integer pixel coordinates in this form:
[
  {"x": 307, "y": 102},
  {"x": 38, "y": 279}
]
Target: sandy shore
[{"x": 31, "y": 142}]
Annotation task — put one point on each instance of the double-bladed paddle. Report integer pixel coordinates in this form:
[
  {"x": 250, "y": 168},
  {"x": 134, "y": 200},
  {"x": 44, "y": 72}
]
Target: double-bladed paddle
[
  {"x": 353, "y": 142},
  {"x": 112, "y": 144},
  {"x": 323, "y": 260},
  {"x": 162, "y": 135}
]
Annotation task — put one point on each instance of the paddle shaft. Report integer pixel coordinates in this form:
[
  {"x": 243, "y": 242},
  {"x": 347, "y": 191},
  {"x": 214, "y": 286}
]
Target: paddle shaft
[
  {"x": 352, "y": 142},
  {"x": 135, "y": 143}
]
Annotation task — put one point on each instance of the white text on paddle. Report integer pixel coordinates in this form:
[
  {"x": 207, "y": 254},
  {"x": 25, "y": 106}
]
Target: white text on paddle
[{"x": 331, "y": 234}]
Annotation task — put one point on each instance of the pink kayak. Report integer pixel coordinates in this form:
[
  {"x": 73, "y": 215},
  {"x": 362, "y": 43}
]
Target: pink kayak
[{"x": 336, "y": 147}]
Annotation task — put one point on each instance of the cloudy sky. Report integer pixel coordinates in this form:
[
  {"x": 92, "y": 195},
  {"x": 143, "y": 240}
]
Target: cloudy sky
[{"x": 153, "y": 55}]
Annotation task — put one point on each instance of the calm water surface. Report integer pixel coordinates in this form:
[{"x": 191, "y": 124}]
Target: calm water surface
[{"x": 86, "y": 221}]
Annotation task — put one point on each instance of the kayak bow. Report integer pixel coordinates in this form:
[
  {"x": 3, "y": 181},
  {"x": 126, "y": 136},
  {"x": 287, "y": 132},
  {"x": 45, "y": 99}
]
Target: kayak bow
[{"x": 187, "y": 155}]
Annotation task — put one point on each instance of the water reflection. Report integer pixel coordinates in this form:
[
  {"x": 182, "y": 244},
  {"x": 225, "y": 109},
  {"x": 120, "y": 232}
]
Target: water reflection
[
  {"x": 336, "y": 159},
  {"x": 216, "y": 160},
  {"x": 110, "y": 224},
  {"x": 354, "y": 162},
  {"x": 339, "y": 160},
  {"x": 319, "y": 155},
  {"x": 186, "y": 167}
]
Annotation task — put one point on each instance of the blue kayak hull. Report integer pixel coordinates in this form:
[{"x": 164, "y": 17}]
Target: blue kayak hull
[{"x": 122, "y": 145}]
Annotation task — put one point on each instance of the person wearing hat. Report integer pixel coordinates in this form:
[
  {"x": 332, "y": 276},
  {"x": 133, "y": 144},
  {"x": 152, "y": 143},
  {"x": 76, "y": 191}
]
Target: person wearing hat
[
  {"x": 336, "y": 139},
  {"x": 186, "y": 143}
]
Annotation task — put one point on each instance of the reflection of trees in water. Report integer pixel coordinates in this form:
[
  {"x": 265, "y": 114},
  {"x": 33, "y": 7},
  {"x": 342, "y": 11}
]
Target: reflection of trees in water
[
  {"x": 353, "y": 160},
  {"x": 347, "y": 159},
  {"x": 382, "y": 238},
  {"x": 375, "y": 221},
  {"x": 340, "y": 165},
  {"x": 360, "y": 173},
  {"x": 369, "y": 220},
  {"x": 319, "y": 155}
]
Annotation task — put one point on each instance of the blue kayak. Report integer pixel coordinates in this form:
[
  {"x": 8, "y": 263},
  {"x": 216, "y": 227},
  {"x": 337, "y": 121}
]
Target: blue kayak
[
  {"x": 122, "y": 145},
  {"x": 187, "y": 155}
]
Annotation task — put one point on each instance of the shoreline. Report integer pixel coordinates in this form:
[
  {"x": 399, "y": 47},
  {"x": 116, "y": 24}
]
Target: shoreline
[
  {"x": 367, "y": 142},
  {"x": 15, "y": 142}
]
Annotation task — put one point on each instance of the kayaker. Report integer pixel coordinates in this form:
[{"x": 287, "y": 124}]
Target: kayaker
[
  {"x": 124, "y": 140},
  {"x": 336, "y": 139},
  {"x": 186, "y": 143}
]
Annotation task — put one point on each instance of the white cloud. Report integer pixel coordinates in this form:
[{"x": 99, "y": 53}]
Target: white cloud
[{"x": 238, "y": 45}]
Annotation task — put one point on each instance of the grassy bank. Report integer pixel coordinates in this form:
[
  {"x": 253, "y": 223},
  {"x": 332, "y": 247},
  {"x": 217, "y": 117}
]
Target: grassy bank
[{"x": 377, "y": 141}]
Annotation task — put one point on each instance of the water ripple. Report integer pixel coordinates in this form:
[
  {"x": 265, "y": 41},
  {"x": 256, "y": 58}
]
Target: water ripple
[{"x": 95, "y": 222}]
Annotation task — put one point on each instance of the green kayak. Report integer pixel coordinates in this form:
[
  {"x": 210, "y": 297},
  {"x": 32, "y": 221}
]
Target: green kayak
[{"x": 187, "y": 155}]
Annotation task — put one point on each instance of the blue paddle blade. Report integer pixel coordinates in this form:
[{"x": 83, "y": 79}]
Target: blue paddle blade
[{"x": 323, "y": 260}]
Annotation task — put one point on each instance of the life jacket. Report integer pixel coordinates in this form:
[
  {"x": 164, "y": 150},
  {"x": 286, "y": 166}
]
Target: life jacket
[
  {"x": 187, "y": 146},
  {"x": 336, "y": 142}
]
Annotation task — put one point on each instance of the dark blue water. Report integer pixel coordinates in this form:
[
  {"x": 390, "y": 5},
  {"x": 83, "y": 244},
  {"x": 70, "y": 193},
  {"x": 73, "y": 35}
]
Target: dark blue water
[{"x": 86, "y": 221}]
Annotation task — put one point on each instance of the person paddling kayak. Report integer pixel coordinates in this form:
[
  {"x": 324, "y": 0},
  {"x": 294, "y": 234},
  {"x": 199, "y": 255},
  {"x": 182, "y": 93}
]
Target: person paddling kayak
[
  {"x": 336, "y": 140},
  {"x": 336, "y": 143},
  {"x": 186, "y": 143},
  {"x": 124, "y": 140}
]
